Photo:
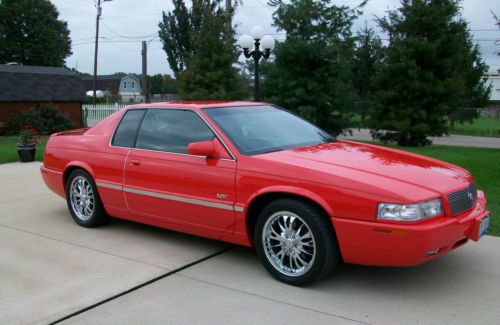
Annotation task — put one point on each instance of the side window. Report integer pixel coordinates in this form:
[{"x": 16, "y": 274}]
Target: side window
[
  {"x": 133, "y": 84},
  {"x": 171, "y": 130},
  {"x": 127, "y": 130},
  {"x": 124, "y": 84}
]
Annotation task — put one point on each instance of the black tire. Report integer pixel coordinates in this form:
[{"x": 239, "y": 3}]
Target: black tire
[
  {"x": 325, "y": 244},
  {"x": 98, "y": 215}
]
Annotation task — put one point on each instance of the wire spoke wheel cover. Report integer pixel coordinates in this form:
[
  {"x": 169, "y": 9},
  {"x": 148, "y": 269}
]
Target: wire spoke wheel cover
[
  {"x": 289, "y": 243},
  {"x": 82, "y": 198}
]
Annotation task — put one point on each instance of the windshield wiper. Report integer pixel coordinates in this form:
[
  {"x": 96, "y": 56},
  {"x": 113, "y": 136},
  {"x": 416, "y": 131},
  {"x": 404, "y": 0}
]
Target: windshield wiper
[
  {"x": 273, "y": 150},
  {"x": 327, "y": 137}
]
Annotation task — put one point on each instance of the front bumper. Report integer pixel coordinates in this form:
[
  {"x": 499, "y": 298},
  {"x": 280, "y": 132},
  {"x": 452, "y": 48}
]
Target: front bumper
[{"x": 389, "y": 244}]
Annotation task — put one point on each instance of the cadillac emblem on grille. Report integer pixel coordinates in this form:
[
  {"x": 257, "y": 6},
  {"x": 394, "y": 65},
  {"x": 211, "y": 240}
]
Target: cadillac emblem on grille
[{"x": 462, "y": 200}]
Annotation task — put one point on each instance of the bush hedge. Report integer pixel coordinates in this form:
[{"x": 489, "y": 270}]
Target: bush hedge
[{"x": 44, "y": 118}]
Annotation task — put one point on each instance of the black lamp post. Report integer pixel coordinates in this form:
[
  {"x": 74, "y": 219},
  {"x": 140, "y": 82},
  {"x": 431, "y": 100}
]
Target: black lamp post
[{"x": 256, "y": 41}]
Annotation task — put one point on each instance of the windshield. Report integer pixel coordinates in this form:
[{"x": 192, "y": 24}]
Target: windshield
[{"x": 260, "y": 129}]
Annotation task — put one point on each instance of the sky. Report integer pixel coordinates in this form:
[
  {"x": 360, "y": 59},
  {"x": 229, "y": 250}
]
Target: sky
[{"x": 125, "y": 23}]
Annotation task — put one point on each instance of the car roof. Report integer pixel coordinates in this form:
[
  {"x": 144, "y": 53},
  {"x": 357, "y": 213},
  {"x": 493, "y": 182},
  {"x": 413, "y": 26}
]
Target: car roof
[{"x": 198, "y": 104}]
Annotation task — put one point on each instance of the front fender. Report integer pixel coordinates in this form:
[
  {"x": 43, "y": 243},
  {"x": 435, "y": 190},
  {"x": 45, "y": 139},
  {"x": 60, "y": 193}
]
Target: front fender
[{"x": 295, "y": 191}]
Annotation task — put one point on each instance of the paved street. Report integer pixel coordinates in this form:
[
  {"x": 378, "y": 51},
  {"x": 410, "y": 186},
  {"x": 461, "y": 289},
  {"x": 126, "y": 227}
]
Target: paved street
[
  {"x": 50, "y": 269},
  {"x": 450, "y": 140}
]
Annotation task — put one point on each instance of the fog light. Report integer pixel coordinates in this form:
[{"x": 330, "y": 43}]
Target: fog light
[{"x": 433, "y": 252}]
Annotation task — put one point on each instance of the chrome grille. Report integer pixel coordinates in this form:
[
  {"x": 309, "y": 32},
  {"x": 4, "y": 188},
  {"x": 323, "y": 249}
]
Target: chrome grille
[{"x": 462, "y": 200}]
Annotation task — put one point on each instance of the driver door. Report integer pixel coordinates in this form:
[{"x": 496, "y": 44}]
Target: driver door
[{"x": 162, "y": 181}]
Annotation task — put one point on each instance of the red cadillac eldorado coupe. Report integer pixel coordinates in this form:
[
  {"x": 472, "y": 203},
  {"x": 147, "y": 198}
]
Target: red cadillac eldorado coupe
[{"x": 254, "y": 174}]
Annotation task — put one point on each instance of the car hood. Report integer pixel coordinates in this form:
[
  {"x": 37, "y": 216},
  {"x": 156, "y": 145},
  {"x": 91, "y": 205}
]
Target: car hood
[{"x": 376, "y": 165}]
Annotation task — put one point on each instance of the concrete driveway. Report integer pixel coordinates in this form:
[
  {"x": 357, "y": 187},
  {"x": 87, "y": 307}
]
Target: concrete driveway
[{"x": 53, "y": 270}]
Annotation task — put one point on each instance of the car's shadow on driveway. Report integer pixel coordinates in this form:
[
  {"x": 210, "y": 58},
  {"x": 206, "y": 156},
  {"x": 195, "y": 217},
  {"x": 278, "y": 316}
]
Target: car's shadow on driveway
[{"x": 442, "y": 290}]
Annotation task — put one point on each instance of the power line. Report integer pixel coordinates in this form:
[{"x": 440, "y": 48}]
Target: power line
[
  {"x": 249, "y": 7},
  {"x": 279, "y": 38},
  {"x": 113, "y": 44},
  {"x": 107, "y": 40},
  {"x": 131, "y": 16},
  {"x": 128, "y": 36},
  {"x": 264, "y": 5},
  {"x": 75, "y": 4}
]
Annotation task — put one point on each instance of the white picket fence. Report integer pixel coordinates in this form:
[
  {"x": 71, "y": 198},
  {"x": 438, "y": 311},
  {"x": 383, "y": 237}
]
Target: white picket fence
[{"x": 94, "y": 114}]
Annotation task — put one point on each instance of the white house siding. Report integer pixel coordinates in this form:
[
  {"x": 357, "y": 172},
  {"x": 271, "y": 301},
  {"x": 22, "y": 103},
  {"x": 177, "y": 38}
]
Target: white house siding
[
  {"x": 130, "y": 89},
  {"x": 494, "y": 80},
  {"x": 135, "y": 97}
]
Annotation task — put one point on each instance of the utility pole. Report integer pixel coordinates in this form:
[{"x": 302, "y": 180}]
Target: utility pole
[
  {"x": 229, "y": 10},
  {"x": 144, "y": 53},
  {"x": 98, "y": 17}
]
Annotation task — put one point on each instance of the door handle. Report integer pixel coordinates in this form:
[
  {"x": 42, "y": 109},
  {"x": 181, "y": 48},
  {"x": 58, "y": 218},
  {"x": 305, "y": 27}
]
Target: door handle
[{"x": 134, "y": 162}]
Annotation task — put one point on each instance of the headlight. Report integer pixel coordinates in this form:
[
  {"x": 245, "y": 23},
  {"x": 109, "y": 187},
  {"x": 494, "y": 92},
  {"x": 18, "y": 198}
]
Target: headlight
[{"x": 409, "y": 212}]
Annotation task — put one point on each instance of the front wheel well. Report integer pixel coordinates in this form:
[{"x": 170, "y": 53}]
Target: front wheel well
[{"x": 264, "y": 199}]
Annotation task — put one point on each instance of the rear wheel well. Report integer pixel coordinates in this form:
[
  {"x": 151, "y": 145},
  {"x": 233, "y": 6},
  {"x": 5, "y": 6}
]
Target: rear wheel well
[
  {"x": 262, "y": 200},
  {"x": 68, "y": 171}
]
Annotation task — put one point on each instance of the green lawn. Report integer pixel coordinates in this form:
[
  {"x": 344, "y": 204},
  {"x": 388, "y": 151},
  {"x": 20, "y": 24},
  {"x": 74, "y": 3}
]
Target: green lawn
[
  {"x": 8, "y": 149},
  {"x": 483, "y": 126},
  {"x": 481, "y": 162}
]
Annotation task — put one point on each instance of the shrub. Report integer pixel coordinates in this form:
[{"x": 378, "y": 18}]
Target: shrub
[
  {"x": 14, "y": 123},
  {"x": 43, "y": 118},
  {"x": 98, "y": 100},
  {"x": 47, "y": 119}
]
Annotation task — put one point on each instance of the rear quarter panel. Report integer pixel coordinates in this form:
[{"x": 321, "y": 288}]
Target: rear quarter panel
[{"x": 91, "y": 152}]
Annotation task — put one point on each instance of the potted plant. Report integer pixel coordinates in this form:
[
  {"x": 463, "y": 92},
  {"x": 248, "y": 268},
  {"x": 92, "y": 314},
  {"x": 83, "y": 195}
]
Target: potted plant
[{"x": 28, "y": 139}]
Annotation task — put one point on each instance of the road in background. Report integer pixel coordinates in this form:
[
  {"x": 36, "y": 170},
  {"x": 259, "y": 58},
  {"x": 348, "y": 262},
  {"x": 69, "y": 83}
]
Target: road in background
[{"x": 449, "y": 140}]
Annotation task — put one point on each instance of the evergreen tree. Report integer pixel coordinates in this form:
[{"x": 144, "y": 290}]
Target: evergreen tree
[
  {"x": 475, "y": 86},
  {"x": 312, "y": 70},
  {"x": 175, "y": 32},
  {"x": 368, "y": 60},
  {"x": 201, "y": 50},
  {"x": 31, "y": 34},
  {"x": 162, "y": 84},
  {"x": 433, "y": 70}
]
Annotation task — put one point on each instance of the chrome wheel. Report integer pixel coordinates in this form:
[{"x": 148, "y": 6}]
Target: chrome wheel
[
  {"x": 289, "y": 243},
  {"x": 82, "y": 198}
]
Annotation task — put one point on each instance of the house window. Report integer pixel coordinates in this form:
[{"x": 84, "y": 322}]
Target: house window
[
  {"x": 124, "y": 84},
  {"x": 133, "y": 84}
]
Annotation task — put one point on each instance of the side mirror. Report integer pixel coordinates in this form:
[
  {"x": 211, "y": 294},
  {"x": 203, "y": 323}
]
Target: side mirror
[{"x": 201, "y": 148}]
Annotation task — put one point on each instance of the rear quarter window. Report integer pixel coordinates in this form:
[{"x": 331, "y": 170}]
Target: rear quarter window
[{"x": 126, "y": 132}]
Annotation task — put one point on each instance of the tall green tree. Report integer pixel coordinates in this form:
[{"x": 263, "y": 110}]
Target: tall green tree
[
  {"x": 312, "y": 70},
  {"x": 368, "y": 60},
  {"x": 32, "y": 34},
  {"x": 475, "y": 86},
  {"x": 162, "y": 84},
  {"x": 433, "y": 70},
  {"x": 177, "y": 35},
  {"x": 201, "y": 51}
]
